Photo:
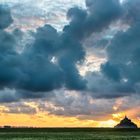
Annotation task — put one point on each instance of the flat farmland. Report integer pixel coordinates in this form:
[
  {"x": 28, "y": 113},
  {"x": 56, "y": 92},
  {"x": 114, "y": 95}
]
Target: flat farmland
[{"x": 69, "y": 134}]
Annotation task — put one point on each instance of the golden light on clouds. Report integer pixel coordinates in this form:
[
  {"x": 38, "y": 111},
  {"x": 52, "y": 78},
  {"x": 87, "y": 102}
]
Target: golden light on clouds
[
  {"x": 118, "y": 116},
  {"x": 32, "y": 105},
  {"x": 81, "y": 86},
  {"x": 131, "y": 113},
  {"x": 43, "y": 119}
]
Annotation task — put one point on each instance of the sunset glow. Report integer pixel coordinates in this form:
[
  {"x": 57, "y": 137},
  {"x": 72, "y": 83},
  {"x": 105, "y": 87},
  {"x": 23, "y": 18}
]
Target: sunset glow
[
  {"x": 69, "y": 63},
  {"x": 44, "y": 119}
]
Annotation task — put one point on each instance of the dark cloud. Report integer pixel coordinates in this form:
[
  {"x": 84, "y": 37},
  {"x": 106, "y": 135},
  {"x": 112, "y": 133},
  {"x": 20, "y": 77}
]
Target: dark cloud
[
  {"x": 97, "y": 17},
  {"x": 132, "y": 11},
  {"x": 102, "y": 13},
  {"x": 5, "y": 17},
  {"x": 41, "y": 74},
  {"x": 111, "y": 71},
  {"x": 50, "y": 63},
  {"x": 13, "y": 95},
  {"x": 8, "y": 95},
  {"x": 119, "y": 76},
  {"x": 101, "y": 86}
]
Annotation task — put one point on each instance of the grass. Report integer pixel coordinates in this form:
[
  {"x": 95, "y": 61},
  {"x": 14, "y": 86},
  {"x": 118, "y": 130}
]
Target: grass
[{"x": 69, "y": 134}]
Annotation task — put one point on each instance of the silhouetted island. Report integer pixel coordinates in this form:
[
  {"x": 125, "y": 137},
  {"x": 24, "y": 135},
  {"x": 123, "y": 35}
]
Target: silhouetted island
[{"x": 126, "y": 123}]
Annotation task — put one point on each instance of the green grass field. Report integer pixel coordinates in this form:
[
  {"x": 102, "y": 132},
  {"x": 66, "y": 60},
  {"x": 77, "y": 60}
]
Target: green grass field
[{"x": 69, "y": 134}]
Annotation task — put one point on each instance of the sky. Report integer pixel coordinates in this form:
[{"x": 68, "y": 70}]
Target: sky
[{"x": 67, "y": 63}]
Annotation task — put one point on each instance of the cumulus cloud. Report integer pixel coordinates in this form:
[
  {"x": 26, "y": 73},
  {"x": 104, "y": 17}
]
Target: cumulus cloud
[
  {"x": 119, "y": 75},
  {"x": 50, "y": 62}
]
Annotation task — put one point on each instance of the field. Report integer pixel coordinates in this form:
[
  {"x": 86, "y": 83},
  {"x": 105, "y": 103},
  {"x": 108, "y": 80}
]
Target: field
[{"x": 69, "y": 134}]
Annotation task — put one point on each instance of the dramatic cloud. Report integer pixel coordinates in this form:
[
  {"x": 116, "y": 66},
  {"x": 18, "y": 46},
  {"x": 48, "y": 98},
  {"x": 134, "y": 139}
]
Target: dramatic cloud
[
  {"x": 84, "y": 107},
  {"x": 51, "y": 61},
  {"x": 119, "y": 75},
  {"x": 73, "y": 104}
]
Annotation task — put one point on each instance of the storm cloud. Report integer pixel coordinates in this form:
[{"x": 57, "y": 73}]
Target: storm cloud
[
  {"x": 50, "y": 62},
  {"x": 119, "y": 76}
]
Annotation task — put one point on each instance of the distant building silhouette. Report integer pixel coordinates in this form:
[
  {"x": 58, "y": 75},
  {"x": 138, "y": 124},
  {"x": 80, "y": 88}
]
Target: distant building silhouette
[
  {"x": 7, "y": 126},
  {"x": 126, "y": 123}
]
